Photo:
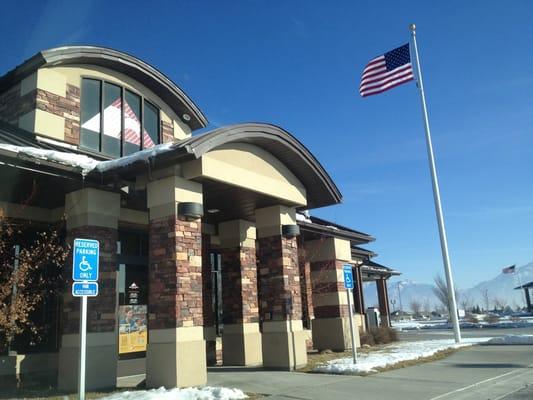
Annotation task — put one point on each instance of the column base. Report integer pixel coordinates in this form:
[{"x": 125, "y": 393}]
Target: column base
[
  {"x": 284, "y": 345},
  {"x": 176, "y": 358},
  {"x": 334, "y": 333},
  {"x": 101, "y": 366},
  {"x": 241, "y": 345}
]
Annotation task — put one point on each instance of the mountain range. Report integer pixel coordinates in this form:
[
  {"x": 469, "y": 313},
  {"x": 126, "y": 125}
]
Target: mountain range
[{"x": 499, "y": 289}]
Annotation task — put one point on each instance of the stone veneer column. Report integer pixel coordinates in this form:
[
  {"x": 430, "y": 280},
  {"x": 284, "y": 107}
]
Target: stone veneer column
[
  {"x": 383, "y": 299},
  {"x": 331, "y": 326},
  {"x": 92, "y": 214},
  {"x": 241, "y": 339},
  {"x": 176, "y": 354},
  {"x": 305, "y": 284},
  {"x": 284, "y": 341}
]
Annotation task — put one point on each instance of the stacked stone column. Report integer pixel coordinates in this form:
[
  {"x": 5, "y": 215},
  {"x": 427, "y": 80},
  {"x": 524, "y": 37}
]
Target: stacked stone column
[
  {"x": 331, "y": 326},
  {"x": 280, "y": 307},
  {"x": 383, "y": 298},
  {"x": 305, "y": 284},
  {"x": 241, "y": 339},
  {"x": 92, "y": 214},
  {"x": 176, "y": 354}
]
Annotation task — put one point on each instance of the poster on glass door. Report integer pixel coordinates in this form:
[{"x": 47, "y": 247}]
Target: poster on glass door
[{"x": 133, "y": 335}]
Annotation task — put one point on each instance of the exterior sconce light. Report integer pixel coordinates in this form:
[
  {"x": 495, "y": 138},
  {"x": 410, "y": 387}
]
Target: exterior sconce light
[
  {"x": 190, "y": 211},
  {"x": 290, "y": 231}
]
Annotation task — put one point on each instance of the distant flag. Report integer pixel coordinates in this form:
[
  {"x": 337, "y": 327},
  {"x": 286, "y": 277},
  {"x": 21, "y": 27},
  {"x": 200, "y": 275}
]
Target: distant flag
[
  {"x": 387, "y": 71},
  {"x": 509, "y": 270}
]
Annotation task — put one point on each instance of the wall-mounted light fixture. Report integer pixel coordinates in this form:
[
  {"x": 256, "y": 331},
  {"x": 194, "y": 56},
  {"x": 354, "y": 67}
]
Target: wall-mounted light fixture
[
  {"x": 190, "y": 210},
  {"x": 290, "y": 231}
]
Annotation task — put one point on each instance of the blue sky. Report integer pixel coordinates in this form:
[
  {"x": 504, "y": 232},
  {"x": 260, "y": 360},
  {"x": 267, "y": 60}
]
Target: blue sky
[{"x": 297, "y": 64}]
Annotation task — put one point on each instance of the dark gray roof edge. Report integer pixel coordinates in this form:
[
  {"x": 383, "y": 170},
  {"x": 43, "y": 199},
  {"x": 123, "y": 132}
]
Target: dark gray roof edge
[
  {"x": 331, "y": 232},
  {"x": 154, "y": 79},
  {"x": 375, "y": 267},
  {"x": 364, "y": 252},
  {"x": 325, "y": 222}
]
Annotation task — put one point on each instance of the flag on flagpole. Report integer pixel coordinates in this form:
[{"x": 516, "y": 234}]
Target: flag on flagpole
[
  {"x": 387, "y": 71},
  {"x": 509, "y": 270}
]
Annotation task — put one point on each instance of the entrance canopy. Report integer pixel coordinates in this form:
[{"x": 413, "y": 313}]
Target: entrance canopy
[{"x": 293, "y": 174}]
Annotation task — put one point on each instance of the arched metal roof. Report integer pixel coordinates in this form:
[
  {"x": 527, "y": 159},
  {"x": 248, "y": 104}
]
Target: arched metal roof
[
  {"x": 115, "y": 60},
  {"x": 321, "y": 190}
]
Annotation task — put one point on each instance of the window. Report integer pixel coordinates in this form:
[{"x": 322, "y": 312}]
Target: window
[
  {"x": 112, "y": 119},
  {"x": 90, "y": 114}
]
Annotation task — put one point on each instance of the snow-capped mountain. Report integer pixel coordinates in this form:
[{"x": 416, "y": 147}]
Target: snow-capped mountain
[{"x": 499, "y": 288}]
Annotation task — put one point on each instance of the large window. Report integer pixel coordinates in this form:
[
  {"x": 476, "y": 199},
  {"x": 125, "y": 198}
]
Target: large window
[{"x": 125, "y": 116}]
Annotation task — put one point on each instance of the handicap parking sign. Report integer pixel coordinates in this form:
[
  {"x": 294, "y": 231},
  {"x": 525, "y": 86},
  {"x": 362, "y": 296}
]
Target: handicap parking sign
[
  {"x": 348, "y": 276},
  {"x": 86, "y": 254}
]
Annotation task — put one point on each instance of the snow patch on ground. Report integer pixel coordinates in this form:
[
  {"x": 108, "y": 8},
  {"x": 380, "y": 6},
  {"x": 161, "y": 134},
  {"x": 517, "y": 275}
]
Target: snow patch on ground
[
  {"x": 393, "y": 354},
  {"x": 512, "y": 339},
  {"x": 205, "y": 393}
]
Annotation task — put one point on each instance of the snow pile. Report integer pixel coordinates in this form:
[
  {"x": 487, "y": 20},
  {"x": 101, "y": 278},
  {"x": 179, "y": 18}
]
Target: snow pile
[
  {"x": 512, "y": 339},
  {"x": 205, "y": 393},
  {"x": 393, "y": 354},
  {"x": 84, "y": 163}
]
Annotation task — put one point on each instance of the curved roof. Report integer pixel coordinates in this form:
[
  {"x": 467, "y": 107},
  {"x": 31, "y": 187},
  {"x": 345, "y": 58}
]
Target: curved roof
[
  {"x": 321, "y": 190},
  {"x": 125, "y": 63}
]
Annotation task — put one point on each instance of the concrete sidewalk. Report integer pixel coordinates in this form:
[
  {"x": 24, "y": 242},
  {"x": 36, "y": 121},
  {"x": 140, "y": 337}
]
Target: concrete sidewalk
[{"x": 480, "y": 372}]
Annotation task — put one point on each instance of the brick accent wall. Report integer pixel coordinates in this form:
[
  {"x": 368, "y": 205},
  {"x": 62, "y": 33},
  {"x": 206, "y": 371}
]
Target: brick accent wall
[
  {"x": 175, "y": 274},
  {"x": 305, "y": 284},
  {"x": 13, "y": 105},
  {"x": 279, "y": 278},
  {"x": 239, "y": 285},
  {"x": 101, "y": 310},
  {"x": 67, "y": 107},
  {"x": 322, "y": 286},
  {"x": 167, "y": 132}
]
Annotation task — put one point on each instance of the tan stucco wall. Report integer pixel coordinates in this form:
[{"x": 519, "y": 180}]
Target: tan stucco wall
[
  {"x": 13, "y": 210},
  {"x": 237, "y": 233},
  {"x": 250, "y": 167},
  {"x": 74, "y": 73},
  {"x": 329, "y": 249}
]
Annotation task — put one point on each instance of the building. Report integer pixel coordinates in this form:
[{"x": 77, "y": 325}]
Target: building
[{"x": 202, "y": 236}]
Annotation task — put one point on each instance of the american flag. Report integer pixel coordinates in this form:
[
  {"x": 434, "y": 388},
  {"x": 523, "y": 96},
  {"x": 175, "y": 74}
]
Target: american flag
[
  {"x": 509, "y": 270},
  {"x": 387, "y": 71}
]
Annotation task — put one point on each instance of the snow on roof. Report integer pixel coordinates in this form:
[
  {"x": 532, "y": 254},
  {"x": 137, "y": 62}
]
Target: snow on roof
[
  {"x": 137, "y": 156},
  {"x": 84, "y": 163}
]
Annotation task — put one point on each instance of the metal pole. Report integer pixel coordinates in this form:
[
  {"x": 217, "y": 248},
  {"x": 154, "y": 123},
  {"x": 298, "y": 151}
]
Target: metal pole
[
  {"x": 452, "y": 305},
  {"x": 83, "y": 348},
  {"x": 350, "y": 313}
]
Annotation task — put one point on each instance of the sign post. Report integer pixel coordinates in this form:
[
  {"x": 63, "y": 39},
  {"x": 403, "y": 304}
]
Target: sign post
[
  {"x": 348, "y": 285},
  {"x": 85, "y": 263}
]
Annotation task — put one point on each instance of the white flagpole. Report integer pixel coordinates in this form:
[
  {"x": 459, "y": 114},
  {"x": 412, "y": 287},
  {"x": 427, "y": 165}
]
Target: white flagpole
[{"x": 436, "y": 195}]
